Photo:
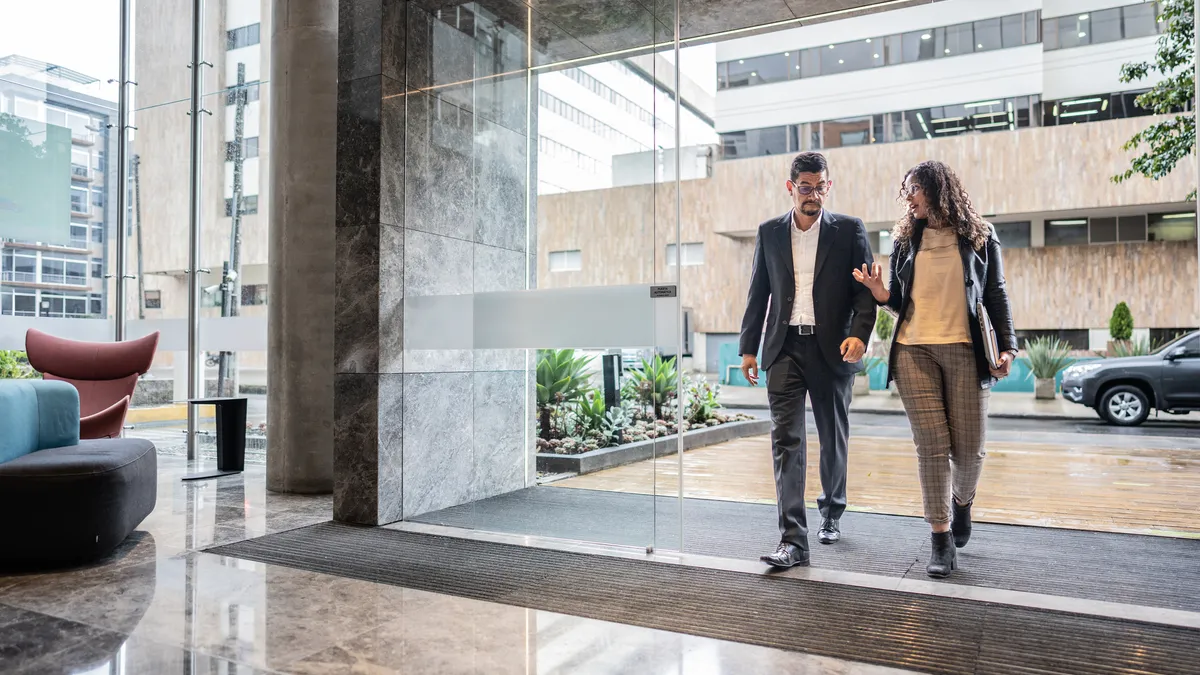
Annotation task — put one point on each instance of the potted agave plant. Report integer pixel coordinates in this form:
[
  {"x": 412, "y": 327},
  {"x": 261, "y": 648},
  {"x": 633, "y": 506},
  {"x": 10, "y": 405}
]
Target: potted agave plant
[{"x": 1046, "y": 357}]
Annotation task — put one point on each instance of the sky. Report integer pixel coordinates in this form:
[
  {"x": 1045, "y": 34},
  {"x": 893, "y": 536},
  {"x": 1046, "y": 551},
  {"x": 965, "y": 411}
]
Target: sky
[{"x": 82, "y": 35}]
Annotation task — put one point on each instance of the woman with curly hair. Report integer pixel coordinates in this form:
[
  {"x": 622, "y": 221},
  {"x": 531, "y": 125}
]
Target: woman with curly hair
[{"x": 945, "y": 273}]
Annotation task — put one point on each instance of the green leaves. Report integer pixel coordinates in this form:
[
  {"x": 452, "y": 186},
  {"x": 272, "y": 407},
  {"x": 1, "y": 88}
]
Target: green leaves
[
  {"x": 1167, "y": 142},
  {"x": 561, "y": 376},
  {"x": 885, "y": 323},
  {"x": 15, "y": 366},
  {"x": 656, "y": 382},
  {"x": 1120, "y": 324},
  {"x": 1046, "y": 357}
]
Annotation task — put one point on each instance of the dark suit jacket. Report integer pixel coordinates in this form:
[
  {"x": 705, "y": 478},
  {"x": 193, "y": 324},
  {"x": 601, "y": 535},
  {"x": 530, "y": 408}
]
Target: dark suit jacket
[
  {"x": 983, "y": 276},
  {"x": 844, "y": 307}
]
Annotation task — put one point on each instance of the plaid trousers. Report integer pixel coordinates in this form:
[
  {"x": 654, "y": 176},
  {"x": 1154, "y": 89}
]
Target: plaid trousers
[{"x": 947, "y": 410}]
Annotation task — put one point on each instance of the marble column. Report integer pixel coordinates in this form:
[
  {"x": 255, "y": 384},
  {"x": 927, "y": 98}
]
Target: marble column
[
  {"x": 300, "y": 401},
  {"x": 433, "y": 197}
]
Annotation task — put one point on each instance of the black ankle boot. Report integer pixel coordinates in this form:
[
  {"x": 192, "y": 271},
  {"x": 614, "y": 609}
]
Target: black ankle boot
[
  {"x": 961, "y": 527},
  {"x": 943, "y": 560}
]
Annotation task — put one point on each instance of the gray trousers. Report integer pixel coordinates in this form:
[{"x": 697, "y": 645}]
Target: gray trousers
[{"x": 802, "y": 370}]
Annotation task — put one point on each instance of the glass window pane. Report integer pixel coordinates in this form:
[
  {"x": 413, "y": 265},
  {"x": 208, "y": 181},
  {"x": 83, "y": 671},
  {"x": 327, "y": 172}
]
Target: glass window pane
[
  {"x": 988, "y": 35},
  {"x": 1049, "y": 35},
  {"x": 722, "y": 76},
  {"x": 810, "y": 62},
  {"x": 1140, "y": 20},
  {"x": 1103, "y": 230},
  {"x": 847, "y": 57},
  {"x": 959, "y": 40},
  {"x": 841, "y": 133},
  {"x": 1106, "y": 25},
  {"x": 918, "y": 46},
  {"x": 758, "y": 70},
  {"x": 1171, "y": 226},
  {"x": 1073, "y": 31},
  {"x": 893, "y": 50},
  {"x": 1066, "y": 232},
  {"x": 1131, "y": 228},
  {"x": 1013, "y": 235},
  {"x": 1031, "y": 27}
]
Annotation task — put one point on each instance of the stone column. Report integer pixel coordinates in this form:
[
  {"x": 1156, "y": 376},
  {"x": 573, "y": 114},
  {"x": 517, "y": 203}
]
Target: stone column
[
  {"x": 432, "y": 201},
  {"x": 300, "y": 374}
]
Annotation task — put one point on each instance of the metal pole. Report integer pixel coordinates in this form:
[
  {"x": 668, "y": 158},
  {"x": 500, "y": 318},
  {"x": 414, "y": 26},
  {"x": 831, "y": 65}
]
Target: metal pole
[
  {"x": 195, "y": 372},
  {"x": 137, "y": 216},
  {"x": 682, "y": 394},
  {"x": 122, "y": 125}
]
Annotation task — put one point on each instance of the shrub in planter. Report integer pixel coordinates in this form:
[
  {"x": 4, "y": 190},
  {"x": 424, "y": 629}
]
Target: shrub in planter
[
  {"x": 562, "y": 378},
  {"x": 862, "y": 381},
  {"x": 655, "y": 383},
  {"x": 1046, "y": 357},
  {"x": 885, "y": 324}
]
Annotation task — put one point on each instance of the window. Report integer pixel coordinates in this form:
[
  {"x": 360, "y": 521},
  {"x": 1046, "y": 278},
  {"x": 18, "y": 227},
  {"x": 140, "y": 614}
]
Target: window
[
  {"x": 252, "y": 90},
  {"x": 1103, "y": 230},
  {"x": 1077, "y": 339},
  {"x": 97, "y": 269},
  {"x": 758, "y": 70},
  {"x": 881, "y": 242},
  {"x": 954, "y": 40},
  {"x": 79, "y": 236},
  {"x": 98, "y": 233},
  {"x": 1013, "y": 235},
  {"x": 1032, "y": 22},
  {"x": 917, "y": 46},
  {"x": 693, "y": 254},
  {"x": 249, "y": 205},
  {"x": 249, "y": 148},
  {"x": 1171, "y": 227},
  {"x": 810, "y": 62},
  {"x": 98, "y": 197},
  {"x": 1131, "y": 228},
  {"x": 1012, "y": 31},
  {"x": 841, "y": 133},
  {"x": 96, "y": 305},
  {"x": 1140, "y": 20},
  {"x": 1093, "y": 108},
  {"x": 566, "y": 261},
  {"x": 1066, "y": 232},
  {"x": 1106, "y": 25},
  {"x": 1073, "y": 31},
  {"x": 242, "y": 37},
  {"x": 79, "y": 200},
  {"x": 847, "y": 56},
  {"x": 756, "y": 143},
  {"x": 988, "y": 35},
  {"x": 254, "y": 294},
  {"x": 153, "y": 300}
]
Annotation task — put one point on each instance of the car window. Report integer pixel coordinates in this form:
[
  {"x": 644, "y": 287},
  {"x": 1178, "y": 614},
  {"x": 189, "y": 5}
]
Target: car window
[{"x": 1191, "y": 347}]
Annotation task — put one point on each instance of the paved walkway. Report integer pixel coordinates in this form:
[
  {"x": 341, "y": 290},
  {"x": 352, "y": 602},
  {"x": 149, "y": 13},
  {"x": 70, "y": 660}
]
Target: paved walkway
[{"x": 1002, "y": 404}]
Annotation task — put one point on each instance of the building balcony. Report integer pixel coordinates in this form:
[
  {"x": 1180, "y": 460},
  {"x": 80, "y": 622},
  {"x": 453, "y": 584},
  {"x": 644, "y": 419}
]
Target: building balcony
[
  {"x": 80, "y": 173},
  {"x": 80, "y": 210},
  {"x": 86, "y": 138},
  {"x": 24, "y": 277}
]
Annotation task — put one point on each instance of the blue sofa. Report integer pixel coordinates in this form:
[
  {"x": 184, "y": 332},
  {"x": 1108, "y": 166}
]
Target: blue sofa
[{"x": 65, "y": 501}]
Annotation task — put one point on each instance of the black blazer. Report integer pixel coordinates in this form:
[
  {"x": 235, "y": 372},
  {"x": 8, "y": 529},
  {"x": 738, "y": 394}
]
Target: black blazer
[
  {"x": 844, "y": 307},
  {"x": 983, "y": 271}
]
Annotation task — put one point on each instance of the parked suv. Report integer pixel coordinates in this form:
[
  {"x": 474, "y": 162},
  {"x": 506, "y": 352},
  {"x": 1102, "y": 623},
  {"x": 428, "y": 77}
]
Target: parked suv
[{"x": 1123, "y": 390}]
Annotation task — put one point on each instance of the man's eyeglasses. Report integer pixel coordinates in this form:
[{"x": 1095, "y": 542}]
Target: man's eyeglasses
[{"x": 806, "y": 190}]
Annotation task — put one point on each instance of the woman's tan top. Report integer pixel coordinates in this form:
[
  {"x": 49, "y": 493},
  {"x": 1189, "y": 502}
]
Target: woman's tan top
[{"x": 937, "y": 314}]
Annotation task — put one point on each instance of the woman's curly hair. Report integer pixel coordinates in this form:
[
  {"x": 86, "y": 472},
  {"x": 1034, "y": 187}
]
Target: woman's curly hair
[{"x": 947, "y": 203}]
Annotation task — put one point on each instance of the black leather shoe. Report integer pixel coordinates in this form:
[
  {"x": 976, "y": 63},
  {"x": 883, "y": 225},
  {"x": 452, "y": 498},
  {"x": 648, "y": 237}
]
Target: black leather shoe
[
  {"x": 961, "y": 526},
  {"x": 831, "y": 531},
  {"x": 943, "y": 560},
  {"x": 787, "y": 555}
]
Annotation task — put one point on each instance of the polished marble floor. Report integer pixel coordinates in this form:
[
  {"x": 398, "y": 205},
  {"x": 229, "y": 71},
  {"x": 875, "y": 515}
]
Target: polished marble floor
[{"x": 160, "y": 605}]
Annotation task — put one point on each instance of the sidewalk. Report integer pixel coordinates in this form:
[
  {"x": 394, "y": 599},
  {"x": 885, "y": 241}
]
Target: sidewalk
[{"x": 1011, "y": 405}]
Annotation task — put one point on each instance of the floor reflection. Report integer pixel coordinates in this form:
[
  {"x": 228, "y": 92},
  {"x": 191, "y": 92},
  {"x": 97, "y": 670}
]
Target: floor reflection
[{"x": 161, "y": 605}]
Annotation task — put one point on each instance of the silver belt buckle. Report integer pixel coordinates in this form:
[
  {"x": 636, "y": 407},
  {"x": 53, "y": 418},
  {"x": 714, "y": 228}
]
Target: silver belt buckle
[{"x": 806, "y": 329}]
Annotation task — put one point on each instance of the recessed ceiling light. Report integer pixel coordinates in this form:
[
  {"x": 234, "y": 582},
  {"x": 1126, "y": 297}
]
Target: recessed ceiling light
[
  {"x": 947, "y": 50},
  {"x": 841, "y": 60},
  {"x": 926, "y": 36},
  {"x": 1082, "y": 34},
  {"x": 831, "y": 46},
  {"x": 868, "y": 40},
  {"x": 876, "y": 56},
  {"x": 787, "y": 53},
  {"x": 1083, "y": 17},
  {"x": 741, "y": 61},
  {"x": 797, "y": 67},
  {"x": 979, "y": 46},
  {"x": 753, "y": 74}
]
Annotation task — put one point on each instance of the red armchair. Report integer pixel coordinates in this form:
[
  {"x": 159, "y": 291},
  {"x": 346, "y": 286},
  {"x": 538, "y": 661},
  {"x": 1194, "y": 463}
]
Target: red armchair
[{"x": 105, "y": 373}]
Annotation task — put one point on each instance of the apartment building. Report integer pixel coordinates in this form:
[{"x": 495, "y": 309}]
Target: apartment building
[
  {"x": 1022, "y": 98},
  {"x": 55, "y": 270}
]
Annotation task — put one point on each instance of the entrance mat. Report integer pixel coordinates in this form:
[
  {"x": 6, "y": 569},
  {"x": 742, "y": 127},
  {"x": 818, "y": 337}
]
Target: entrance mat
[
  {"x": 1126, "y": 568},
  {"x": 918, "y": 632}
]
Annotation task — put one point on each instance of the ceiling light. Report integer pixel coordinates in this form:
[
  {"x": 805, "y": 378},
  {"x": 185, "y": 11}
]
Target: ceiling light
[
  {"x": 1082, "y": 34},
  {"x": 926, "y": 36},
  {"x": 1077, "y": 113},
  {"x": 753, "y": 74},
  {"x": 740, "y": 61},
  {"x": 831, "y": 46},
  {"x": 1056, "y": 223},
  {"x": 797, "y": 67},
  {"x": 1179, "y": 215},
  {"x": 979, "y": 46},
  {"x": 1083, "y": 101},
  {"x": 982, "y": 104},
  {"x": 1104, "y": 106},
  {"x": 868, "y": 40},
  {"x": 840, "y": 61},
  {"x": 1083, "y": 17},
  {"x": 787, "y": 53},
  {"x": 876, "y": 56},
  {"x": 947, "y": 50}
]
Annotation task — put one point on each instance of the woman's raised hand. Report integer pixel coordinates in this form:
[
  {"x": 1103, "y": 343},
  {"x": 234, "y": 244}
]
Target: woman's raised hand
[{"x": 872, "y": 278}]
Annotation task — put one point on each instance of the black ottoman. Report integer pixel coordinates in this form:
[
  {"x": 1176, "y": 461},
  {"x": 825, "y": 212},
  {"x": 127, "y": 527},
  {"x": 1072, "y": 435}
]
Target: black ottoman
[{"x": 75, "y": 504}]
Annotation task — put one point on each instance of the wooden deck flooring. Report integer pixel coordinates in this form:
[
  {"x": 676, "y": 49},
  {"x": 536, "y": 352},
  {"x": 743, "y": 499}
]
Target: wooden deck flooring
[{"x": 1086, "y": 487}]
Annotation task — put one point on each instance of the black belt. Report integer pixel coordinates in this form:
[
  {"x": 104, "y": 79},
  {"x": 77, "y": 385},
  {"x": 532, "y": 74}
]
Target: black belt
[{"x": 803, "y": 329}]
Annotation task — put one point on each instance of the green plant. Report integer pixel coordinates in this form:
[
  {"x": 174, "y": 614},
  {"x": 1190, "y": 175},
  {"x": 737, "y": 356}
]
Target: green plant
[
  {"x": 1046, "y": 357},
  {"x": 1138, "y": 347},
  {"x": 1120, "y": 325},
  {"x": 885, "y": 325},
  {"x": 15, "y": 366},
  {"x": 871, "y": 363},
  {"x": 562, "y": 378},
  {"x": 702, "y": 401},
  {"x": 1171, "y": 140},
  {"x": 591, "y": 411},
  {"x": 656, "y": 383}
]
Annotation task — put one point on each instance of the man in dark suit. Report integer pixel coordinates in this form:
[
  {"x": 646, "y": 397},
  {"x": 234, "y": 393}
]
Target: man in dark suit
[{"x": 818, "y": 323}]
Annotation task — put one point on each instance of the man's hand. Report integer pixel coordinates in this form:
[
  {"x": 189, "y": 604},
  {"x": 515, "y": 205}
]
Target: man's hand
[
  {"x": 750, "y": 369},
  {"x": 1006, "y": 361},
  {"x": 853, "y": 350}
]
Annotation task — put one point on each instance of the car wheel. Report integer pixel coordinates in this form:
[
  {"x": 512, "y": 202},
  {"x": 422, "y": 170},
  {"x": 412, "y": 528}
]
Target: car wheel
[{"x": 1125, "y": 406}]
